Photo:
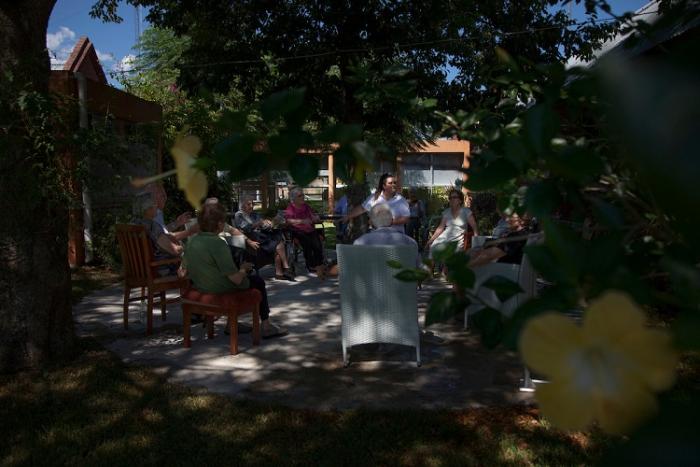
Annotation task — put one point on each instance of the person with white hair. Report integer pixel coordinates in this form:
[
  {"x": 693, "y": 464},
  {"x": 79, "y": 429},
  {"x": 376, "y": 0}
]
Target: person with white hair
[
  {"x": 165, "y": 245},
  {"x": 383, "y": 234},
  {"x": 301, "y": 220}
]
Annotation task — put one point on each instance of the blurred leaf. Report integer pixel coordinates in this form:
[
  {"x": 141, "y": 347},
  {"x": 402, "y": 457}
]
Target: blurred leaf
[
  {"x": 542, "y": 198},
  {"x": 412, "y": 275},
  {"x": 525, "y": 312},
  {"x": 203, "y": 163},
  {"x": 233, "y": 121},
  {"x": 234, "y": 151},
  {"x": 489, "y": 322},
  {"x": 282, "y": 103},
  {"x": 392, "y": 263},
  {"x": 458, "y": 270},
  {"x": 685, "y": 279},
  {"x": 304, "y": 169},
  {"x": 443, "y": 254},
  {"x": 541, "y": 125},
  {"x": 286, "y": 144},
  {"x": 341, "y": 134},
  {"x": 576, "y": 163},
  {"x": 686, "y": 331},
  {"x": 503, "y": 287},
  {"x": 443, "y": 306},
  {"x": 607, "y": 214},
  {"x": 485, "y": 177}
]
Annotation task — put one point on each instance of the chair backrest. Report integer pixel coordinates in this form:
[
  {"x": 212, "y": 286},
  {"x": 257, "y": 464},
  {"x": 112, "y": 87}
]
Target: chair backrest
[
  {"x": 137, "y": 254},
  {"x": 523, "y": 273},
  {"x": 375, "y": 306}
]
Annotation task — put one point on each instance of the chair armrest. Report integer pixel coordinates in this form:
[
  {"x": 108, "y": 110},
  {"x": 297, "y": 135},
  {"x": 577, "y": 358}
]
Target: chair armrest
[{"x": 162, "y": 262}]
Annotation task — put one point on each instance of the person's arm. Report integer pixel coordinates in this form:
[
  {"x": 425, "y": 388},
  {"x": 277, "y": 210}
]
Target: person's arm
[
  {"x": 356, "y": 211},
  {"x": 403, "y": 213},
  {"x": 240, "y": 275},
  {"x": 167, "y": 243},
  {"x": 472, "y": 223},
  {"x": 438, "y": 231},
  {"x": 400, "y": 220}
]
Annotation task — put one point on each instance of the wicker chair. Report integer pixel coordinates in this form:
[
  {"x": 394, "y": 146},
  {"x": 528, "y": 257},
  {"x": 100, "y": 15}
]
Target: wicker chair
[
  {"x": 375, "y": 306},
  {"x": 141, "y": 271}
]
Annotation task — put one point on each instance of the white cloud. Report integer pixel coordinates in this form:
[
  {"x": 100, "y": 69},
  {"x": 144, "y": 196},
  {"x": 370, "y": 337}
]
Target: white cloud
[
  {"x": 125, "y": 64},
  {"x": 54, "y": 40},
  {"x": 60, "y": 45},
  {"x": 104, "y": 57}
]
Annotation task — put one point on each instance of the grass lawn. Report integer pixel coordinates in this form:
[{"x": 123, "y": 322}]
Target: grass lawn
[
  {"x": 100, "y": 411},
  {"x": 87, "y": 279},
  {"x": 97, "y": 410}
]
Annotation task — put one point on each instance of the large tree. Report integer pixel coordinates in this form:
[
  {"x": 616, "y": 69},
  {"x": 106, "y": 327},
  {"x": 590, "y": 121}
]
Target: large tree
[
  {"x": 364, "y": 62},
  {"x": 35, "y": 312}
]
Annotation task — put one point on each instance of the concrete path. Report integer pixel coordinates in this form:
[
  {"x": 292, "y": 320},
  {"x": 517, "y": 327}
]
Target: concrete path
[{"x": 304, "y": 369}]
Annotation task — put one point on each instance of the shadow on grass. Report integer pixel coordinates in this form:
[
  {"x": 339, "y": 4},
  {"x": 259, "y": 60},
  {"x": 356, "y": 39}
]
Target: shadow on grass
[{"x": 98, "y": 410}]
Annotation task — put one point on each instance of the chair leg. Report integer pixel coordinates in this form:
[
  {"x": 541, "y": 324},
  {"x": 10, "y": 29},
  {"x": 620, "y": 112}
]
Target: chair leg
[
  {"x": 256, "y": 324},
  {"x": 209, "y": 320},
  {"x": 233, "y": 330},
  {"x": 162, "y": 305},
  {"x": 186, "y": 324},
  {"x": 127, "y": 294},
  {"x": 149, "y": 314}
]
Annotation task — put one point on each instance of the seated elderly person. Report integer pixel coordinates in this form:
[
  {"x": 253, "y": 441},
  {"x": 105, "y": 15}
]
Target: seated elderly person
[
  {"x": 301, "y": 219},
  {"x": 165, "y": 245},
  {"x": 211, "y": 268},
  {"x": 161, "y": 197},
  {"x": 270, "y": 242}
]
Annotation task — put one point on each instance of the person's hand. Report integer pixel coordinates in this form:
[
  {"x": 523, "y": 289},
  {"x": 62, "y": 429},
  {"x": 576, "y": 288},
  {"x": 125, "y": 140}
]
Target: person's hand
[
  {"x": 183, "y": 219},
  {"x": 267, "y": 224},
  {"x": 253, "y": 244},
  {"x": 247, "y": 267}
]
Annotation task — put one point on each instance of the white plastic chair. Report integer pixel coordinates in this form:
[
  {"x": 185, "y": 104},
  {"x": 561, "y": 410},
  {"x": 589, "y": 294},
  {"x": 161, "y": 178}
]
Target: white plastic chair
[
  {"x": 375, "y": 306},
  {"x": 522, "y": 273}
]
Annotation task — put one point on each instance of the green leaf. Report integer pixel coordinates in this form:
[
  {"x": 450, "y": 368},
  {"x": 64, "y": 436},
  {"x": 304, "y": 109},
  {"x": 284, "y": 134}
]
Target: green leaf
[
  {"x": 203, "y": 163},
  {"x": 286, "y": 144},
  {"x": 341, "y": 134},
  {"x": 443, "y": 254},
  {"x": 542, "y": 198},
  {"x": 443, "y": 306},
  {"x": 282, "y": 103},
  {"x": 482, "y": 178},
  {"x": 392, "y": 263},
  {"x": 541, "y": 125},
  {"x": 503, "y": 287},
  {"x": 489, "y": 323},
  {"x": 304, "y": 169},
  {"x": 363, "y": 151},
  {"x": 233, "y": 121},
  {"x": 234, "y": 151},
  {"x": 412, "y": 275}
]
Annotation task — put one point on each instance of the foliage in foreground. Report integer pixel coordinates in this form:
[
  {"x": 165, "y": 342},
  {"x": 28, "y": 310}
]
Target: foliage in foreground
[{"x": 98, "y": 410}]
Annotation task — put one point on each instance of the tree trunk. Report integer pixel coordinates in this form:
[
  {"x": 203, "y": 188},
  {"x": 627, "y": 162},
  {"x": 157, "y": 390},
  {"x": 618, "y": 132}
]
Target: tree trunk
[{"x": 36, "y": 324}]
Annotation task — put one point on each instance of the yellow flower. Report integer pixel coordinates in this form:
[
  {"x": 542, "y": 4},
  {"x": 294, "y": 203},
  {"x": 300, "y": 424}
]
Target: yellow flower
[
  {"x": 190, "y": 180},
  {"x": 606, "y": 370}
]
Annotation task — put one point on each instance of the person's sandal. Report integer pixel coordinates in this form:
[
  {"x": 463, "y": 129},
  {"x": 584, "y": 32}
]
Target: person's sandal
[{"x": 273, "y": 331}]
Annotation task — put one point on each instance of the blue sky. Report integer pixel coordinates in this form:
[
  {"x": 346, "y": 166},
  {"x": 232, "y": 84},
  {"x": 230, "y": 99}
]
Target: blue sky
[{"x": 70, "y": 20}]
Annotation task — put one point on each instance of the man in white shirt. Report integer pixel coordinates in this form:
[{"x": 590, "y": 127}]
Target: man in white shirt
[{"x": 385, "y": 194}]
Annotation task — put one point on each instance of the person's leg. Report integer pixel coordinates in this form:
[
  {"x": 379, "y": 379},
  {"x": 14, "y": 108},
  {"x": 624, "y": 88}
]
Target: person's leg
[
  {"x": 316, "y": 249},
  {"x": 257, "y": 282},
  {"x": 306, "y": 245},
  {"x": 282, "y": 254}
]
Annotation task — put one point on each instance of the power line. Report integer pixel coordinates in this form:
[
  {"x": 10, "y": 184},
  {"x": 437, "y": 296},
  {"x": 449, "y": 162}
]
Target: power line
[{"x": 379, "y": 48}]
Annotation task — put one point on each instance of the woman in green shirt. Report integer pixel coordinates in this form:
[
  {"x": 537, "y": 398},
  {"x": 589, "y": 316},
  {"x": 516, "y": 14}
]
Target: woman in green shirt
[{"x": 211, "y": 268}]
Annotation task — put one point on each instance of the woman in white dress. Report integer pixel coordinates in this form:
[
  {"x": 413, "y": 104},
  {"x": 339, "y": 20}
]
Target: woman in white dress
[{"x": 455, "y": 220}]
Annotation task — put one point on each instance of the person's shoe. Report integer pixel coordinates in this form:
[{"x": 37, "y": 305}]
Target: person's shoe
[
  {"x": 288, "y": 272},
  {"x": 284, "y": 277},
  {"x": 273, "y": 331},
  {"x": 242, "y": 329}
]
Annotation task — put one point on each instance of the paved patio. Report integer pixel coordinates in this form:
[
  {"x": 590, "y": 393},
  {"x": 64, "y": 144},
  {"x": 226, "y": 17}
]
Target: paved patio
[{"x": 304, "y": 369}]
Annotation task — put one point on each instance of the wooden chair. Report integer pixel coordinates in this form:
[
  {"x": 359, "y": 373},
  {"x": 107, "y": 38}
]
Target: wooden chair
[
  {"x": 211, "y": 306},
  {"x": 141, "y": 271}
]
